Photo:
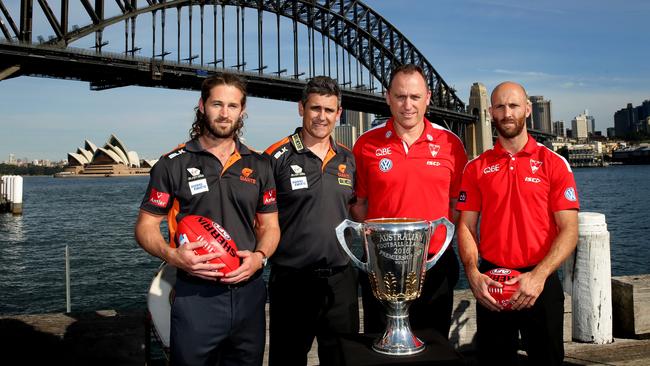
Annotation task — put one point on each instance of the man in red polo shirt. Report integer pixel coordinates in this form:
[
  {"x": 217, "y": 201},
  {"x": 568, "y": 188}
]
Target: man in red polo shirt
[
  {"x": 525, "y": 196},
  {"x": 410, "y": 167}
]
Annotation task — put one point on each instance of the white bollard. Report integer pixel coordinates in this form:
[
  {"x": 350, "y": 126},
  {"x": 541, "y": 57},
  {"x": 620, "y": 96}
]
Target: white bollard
[
  {"x": 17, "y": 196},
  {"x": 3, "y": 191},
  {"x": 590, "y": 272}
]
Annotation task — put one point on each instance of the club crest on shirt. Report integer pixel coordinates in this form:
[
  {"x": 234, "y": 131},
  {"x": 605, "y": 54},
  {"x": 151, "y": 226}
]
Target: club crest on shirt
[
  {"x": 534, "y": 165},
  {"x": 385, "y": 165},
  {"x": 462, "y": 196},
  {"x": 434, "y": 149},
  {"x": 246, "y": 176}
]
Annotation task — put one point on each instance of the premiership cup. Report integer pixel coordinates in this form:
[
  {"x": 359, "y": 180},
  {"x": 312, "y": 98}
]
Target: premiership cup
[{"x": 396, "y": 251}]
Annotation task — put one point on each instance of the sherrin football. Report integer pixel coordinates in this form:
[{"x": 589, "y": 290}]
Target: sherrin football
[
  {"x": 194, "y": 228},
  {"x": 503, "y": 294}
]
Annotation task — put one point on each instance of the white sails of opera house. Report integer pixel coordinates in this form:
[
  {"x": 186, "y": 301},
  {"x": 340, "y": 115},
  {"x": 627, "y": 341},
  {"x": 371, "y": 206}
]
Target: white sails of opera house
[{"x": 113, "y": 159}]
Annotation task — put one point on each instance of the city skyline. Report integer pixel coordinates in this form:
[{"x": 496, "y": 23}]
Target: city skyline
[{"x": 564, "y": 51}]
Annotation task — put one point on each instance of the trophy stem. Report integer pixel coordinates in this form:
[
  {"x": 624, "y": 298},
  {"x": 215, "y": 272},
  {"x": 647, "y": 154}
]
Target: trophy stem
[{"x": 398, "y": 339}]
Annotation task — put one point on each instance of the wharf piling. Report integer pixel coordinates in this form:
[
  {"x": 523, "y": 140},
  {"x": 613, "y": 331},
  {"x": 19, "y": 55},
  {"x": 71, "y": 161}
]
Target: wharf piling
[{"x": 11, "y": 194}]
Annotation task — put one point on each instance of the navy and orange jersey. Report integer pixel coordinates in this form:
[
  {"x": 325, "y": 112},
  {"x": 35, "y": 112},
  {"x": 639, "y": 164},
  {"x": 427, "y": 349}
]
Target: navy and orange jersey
[
  {"x": 190, "y": 180},
  {"x": 313, "y": 198}
]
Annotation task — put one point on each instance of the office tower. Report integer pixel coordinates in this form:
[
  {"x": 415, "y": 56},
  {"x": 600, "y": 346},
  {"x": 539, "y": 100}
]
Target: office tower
[
  {"x": 579, "y": 127},
  {"x": 558, "y": 129},
  {"x": 541, "y": 113},
  {"x": 346, "y": 135}
]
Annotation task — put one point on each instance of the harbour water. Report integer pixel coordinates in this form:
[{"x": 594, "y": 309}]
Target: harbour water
[{"x": 95, "y": 218}]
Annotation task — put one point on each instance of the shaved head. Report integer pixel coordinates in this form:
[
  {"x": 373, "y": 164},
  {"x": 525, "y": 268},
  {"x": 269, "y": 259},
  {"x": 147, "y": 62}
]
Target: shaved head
[
  {"x": 510, "y": 108},
  {"x": 508, "y": 85}
]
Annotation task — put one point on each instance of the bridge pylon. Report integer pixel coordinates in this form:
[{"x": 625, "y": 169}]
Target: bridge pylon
[{"x": 478, "y": 136}]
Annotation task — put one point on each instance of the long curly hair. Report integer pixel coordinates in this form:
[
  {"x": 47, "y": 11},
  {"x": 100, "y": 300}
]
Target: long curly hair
[{"x": 198, "y": 126}]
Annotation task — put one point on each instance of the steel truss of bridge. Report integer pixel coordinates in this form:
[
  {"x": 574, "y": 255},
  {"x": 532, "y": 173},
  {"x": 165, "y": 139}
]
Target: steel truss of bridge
[{"x": 344, "y": 39}]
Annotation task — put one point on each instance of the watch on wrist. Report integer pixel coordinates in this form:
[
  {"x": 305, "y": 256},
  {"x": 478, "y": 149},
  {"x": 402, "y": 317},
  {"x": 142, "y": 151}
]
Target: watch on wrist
[{"x": 265, "y": 259}]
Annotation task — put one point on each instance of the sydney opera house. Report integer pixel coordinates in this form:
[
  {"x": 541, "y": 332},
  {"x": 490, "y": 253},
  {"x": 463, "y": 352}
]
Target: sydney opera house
[{"x": 114, "y": 159}]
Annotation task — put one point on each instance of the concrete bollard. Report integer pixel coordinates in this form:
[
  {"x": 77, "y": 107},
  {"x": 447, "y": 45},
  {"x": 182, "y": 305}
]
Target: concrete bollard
[{"x": 587, "y": 277}]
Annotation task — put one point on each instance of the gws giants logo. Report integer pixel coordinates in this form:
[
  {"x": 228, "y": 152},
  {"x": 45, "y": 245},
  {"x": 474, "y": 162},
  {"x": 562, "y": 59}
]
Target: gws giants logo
[
  {"x": 434, "y": 149},
  {"x": 534, "y": 165},
  {"x": 245, "y": 176},
  {"x": 341, "y": 173}
]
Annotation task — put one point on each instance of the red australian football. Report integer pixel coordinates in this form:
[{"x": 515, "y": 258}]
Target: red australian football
[
  {"x": 503, "y": 294},
  {"x": 194, "y": 228}
]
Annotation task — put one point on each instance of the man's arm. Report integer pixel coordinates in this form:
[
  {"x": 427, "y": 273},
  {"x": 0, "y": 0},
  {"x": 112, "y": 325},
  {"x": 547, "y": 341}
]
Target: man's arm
[
  {"x": 468, "y": 250},
  {"x": 267, "y": 232},
  {"x": 531, "y": 284},
  {"x": 148, "y": 236},
  {"x": 359, "y": 209}
]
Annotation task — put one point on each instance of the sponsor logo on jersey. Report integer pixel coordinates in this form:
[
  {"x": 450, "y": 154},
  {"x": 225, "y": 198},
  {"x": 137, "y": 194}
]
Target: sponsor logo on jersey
[
  {"x": 198, "y": 186},
  {"x": 269, "y": 197},
  {"x": 175, "y": 154},
  {"x": 534, "y": 165},
  {"x": 388, "y": 134},
  {"x": 383, "y": 151},
  {"x": 297, "y": 142},
  {"x": 296, "y": 170},
  {"x": 385, "y": 165},
  {"x": 194, "y": 171},
  {"x": 246, "y": 176},
  {"x": 462, "y": 196},
  {"x": 429, "y": 137},
  {"x": 434, "y": 149},
  {"x": 570, "y": 194},
  {"x": 532, "y": 180},
  {"x": 345, "y": 182},
  {"x": 501, "y": 271},
  {"x": 157, "y": 198},
  {"x": 491, "y": 169},
  {"x": 433, "y": 163},
  {"x": 299, "y": 183},
  {"x": 280, "y": 152}
]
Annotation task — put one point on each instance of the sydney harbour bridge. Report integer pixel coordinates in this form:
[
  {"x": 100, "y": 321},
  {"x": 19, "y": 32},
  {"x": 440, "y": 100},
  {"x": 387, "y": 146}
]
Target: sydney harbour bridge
[{"x": 277, "y": 45}]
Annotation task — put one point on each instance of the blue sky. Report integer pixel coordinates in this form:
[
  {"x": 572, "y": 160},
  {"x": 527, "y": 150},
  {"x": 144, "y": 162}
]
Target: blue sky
[{"x": 579, "y": 54}]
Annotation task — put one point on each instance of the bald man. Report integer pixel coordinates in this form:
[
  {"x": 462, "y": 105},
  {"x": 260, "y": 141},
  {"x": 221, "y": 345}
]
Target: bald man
[{"x": 525, "y": 197}]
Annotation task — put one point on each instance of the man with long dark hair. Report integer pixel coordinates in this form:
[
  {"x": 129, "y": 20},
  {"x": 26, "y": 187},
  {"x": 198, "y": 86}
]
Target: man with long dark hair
[{"x": 215, "y": 318}]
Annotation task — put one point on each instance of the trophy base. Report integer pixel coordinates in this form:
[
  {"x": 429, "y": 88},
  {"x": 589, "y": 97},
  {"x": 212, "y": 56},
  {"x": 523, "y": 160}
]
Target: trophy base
[{"x": 398, "y": 342}]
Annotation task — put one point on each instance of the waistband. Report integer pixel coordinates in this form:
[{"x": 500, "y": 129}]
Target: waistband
[
  {"x": 315, "y": 271},
  {"x": 199, "y": 281}
]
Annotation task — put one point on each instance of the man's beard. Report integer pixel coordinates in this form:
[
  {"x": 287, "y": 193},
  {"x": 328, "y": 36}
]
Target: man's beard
[
  {"x": 219, "y": 133},
  {"x": 511, "y": 132}
]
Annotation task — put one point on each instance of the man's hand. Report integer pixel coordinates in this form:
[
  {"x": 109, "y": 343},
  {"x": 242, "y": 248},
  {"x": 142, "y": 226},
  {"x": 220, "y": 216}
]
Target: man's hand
[
  {"x": 251, "y": 263},
  {"x": 479, "y": 283},
  {"x": 184, "y": 258},
  {"x": 531, "y": 285}
]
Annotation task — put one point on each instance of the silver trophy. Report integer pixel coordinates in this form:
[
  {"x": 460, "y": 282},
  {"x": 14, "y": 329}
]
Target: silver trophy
[{"x": 396, "y": 264}]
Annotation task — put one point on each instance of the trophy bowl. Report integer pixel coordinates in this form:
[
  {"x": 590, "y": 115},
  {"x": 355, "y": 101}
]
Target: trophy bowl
[{"x": 396, "y": 251}]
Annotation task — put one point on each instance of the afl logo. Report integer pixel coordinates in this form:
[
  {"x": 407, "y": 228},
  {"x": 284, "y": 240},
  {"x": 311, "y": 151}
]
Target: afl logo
[
  {"x": 570, "y": 194},
  {"x": 385, "y": 165},
  {"x": 500, "y": 271}
]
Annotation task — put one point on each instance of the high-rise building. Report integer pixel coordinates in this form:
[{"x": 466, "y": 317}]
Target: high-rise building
[
  {"x": 591, "y": 123},
  {"x": 541, "y": 114},
  {"x": 611, "y": 132},
  {"x": 12, "y": 159},
  {"x": 625, "y": 120},
  {"x": 579, "y": 127},
  {"x": 558, "y": 129},
  {"x": 346, "y": 135},
  {"x": 360, "y": 120}
]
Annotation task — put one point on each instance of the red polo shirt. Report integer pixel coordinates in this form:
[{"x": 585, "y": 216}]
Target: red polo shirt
[
  {"x": 414, "y": 181},
  {"x": 517, "y": 196}
]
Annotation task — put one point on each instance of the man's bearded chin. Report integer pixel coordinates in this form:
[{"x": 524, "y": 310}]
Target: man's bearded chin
[
  {"x": 229, "y": 133},
  {"x": 510, "y": 133}
]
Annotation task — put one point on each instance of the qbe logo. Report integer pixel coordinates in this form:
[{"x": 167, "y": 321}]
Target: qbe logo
[
  {"x": 385, "y": 165},
  {"x": 491, "y": 169}
]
